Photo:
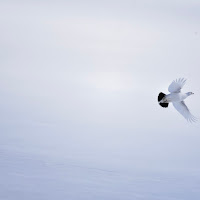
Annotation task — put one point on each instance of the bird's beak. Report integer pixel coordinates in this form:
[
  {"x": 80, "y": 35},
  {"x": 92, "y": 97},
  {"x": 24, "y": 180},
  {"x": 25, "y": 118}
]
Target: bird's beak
[{"x": 192, "y": 93}]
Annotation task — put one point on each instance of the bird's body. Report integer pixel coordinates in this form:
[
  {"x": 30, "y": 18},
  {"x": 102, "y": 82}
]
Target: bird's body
[{"x": 176, "y": 97}]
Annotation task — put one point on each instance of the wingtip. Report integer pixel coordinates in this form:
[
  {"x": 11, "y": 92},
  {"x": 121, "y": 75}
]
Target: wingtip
[
  {"x": 193, "y": 119},
  {"x": 180, "y": 80}
]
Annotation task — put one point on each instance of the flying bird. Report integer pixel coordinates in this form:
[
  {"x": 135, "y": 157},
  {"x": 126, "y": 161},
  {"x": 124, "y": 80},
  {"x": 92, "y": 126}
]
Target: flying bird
[{"x": 176, "y": 97}]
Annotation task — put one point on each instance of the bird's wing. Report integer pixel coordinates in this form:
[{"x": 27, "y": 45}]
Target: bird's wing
[
  {"x": 183, "y": 110},
  {"x": 176, "y": 85}
]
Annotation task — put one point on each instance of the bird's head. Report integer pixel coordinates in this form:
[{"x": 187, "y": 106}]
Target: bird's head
[{"x": 189, "y": 93}]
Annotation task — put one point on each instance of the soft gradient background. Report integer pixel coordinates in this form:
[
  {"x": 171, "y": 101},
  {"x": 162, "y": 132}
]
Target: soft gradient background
[{"x": 79, "y": 118}]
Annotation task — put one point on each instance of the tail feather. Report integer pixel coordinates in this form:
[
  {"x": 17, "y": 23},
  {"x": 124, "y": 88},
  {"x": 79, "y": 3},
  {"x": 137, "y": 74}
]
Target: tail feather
[
  {"x": 161, "y": 96},
  {"x": 164, "y": 105}
]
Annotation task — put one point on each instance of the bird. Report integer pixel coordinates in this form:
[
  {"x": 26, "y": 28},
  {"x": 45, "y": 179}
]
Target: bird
[{"x": 176, "y": 97}]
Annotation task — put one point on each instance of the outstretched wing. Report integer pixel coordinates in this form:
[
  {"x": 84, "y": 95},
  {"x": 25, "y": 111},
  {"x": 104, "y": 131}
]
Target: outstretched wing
[
  {"x": 176, "y": 85},
  {"x": 183, "y": 110}
]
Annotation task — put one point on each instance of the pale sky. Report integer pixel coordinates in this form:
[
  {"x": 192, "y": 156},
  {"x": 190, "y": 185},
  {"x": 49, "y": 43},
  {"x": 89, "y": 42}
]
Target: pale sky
[{"x": 80, "y": 79}]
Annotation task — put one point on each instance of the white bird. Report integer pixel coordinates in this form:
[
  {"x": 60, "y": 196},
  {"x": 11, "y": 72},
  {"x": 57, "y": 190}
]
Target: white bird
[{"x": 176, "y": 97}]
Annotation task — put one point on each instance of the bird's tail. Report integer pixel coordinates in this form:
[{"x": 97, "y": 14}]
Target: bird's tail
[
  {"x": 160, "y": 97},
  {"x": 164, "y": 105}
]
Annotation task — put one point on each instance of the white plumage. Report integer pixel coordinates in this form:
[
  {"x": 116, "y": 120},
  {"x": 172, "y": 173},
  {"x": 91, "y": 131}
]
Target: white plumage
[
  {"x": 177, "y": 85},
  {"x": 176, "y": 97}
]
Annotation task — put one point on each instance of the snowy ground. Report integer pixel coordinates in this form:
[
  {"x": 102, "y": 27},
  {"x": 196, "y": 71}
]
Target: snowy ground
[{"x": 29, "y": 171}]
